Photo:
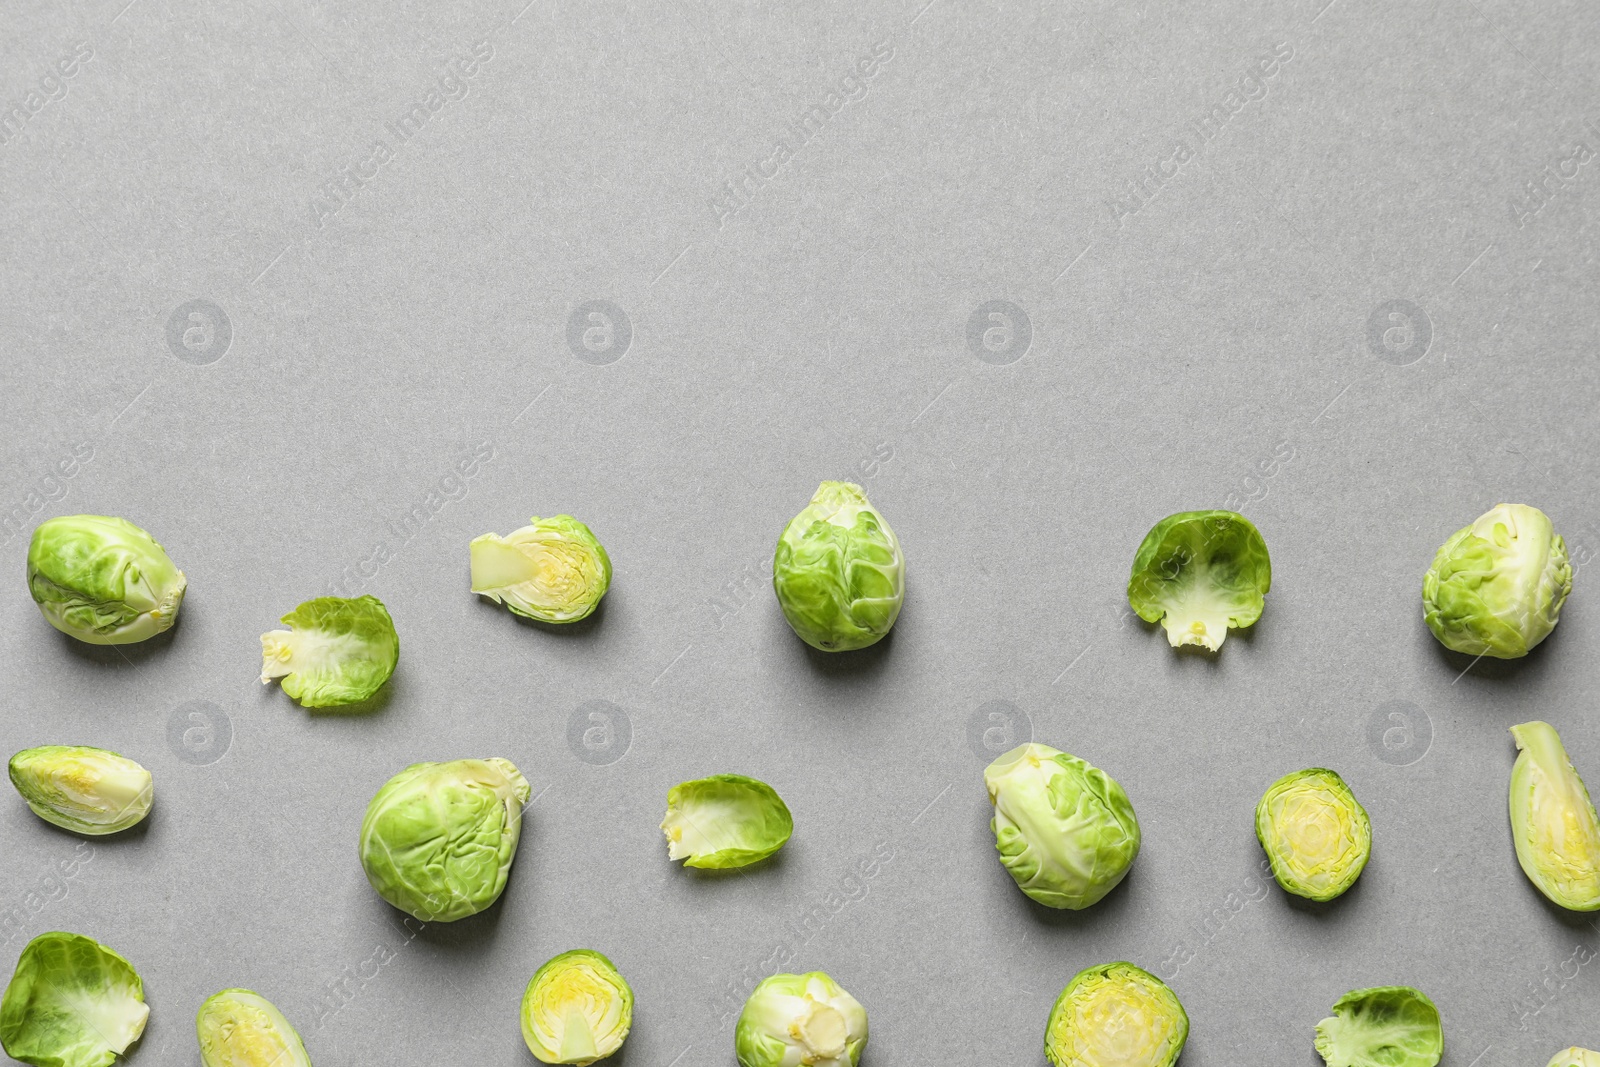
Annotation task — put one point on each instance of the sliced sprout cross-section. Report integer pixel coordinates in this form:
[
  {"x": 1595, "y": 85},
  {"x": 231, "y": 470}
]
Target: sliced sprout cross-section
[
  {"x": 725, "y": 821},
  {"x": 1387, "y": 1026},
  {"x": 241, "y": 1028},
  {"x": 1553, "y": 821},
  {"x": 1315, "y": 833},
  {"x": 337, "y": 651},
  {"x": 553, "y": 570},
  {"x": 1496, "y": 587},
  {"x": 85, "y": 790},
  {"x": 838, "y": 571},
  {"x": 1200, "y": 573},
  {"x": 1116, "y": 1015},
  {"x": 72, "y": 1002},
  {"x": 577, "y": 1009},
  {"x": 103, "y": 580},
  {"x": 1575, "y": 1057},
  {"x": 795, "y": 1019}
]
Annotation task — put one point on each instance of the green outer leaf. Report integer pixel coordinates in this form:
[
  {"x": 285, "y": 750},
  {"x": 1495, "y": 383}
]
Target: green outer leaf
[
  {"x": 1200, "y": 573},
  {"x": 86, "y": 790},
  {"x": 1496, "y": 587},
  {"x": 583, "y": 578},
  {"x": 72, "y": 1002},
  {"x": 1564, "y": 866},
  {"x": 1350, "y": 864},
  {"x": 772, "y": 1028},
  {"x": 1084, "y": 983},
  {"x": 838, "y": 571},
  {"x": 242, "y": 1028},
  {"x": 744, "y": 817},
  {"x": 337, "y": 651},
  {"x": 1386, "y": 1026},
  {"x": 103, "y": 580},
  {"x": 605, "y": 973}
]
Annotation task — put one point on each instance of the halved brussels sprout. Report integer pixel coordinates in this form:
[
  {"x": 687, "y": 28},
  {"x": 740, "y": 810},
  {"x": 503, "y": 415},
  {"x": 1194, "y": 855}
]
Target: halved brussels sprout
[
  {"x": 1388, "y": 1026},
  {"x": 1575, "y": 1057},
  {"x": 552, "y": 571},
  {"x": 103, "y": 580},
  {"x": 1496, "y": 587},
  {"x": 239, "y": 1028},
  {"x": 1553, "y": 821},
  {"x": 438, "y": 839},
  {"x": 1198, "y": 573},
  {"x": 1065, "y": 830},
  {"x": 794, "y": 1019},
  {"x": 726, "y": 820},
  {"x": 1116, "y": 1015},
  {"x": 838, "y": 571},
  {"x": 1315, "y": 832},
  {"x": 578, "y": 1009},
  {"x": 336, "y": 651},
  {"x": 85, "y": 790},
  {"x": 71, "y": 1003}
]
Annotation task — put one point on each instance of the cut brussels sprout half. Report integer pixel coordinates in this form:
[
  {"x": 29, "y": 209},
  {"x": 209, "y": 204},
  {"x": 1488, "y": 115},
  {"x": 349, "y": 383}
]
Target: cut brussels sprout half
[
  {"x": 838, "y": 571},
  {"x": 578, "y": 1009},
  {"x": 1315, "y": 833},
  {"x": 1389, "y": 1026},
  {"x": 1116, "y": 1015},
  {"x": 1496, "y": 587},
  {"x": 85, "y": 790},
  {"x": 1198, "y": 573},
  {"x": 438, "y": 839},
  {"x": 71, "y": 1003},
  {"x": 337, "y": 651},
  {"x": 553, "y": 570},
  {"x": 103, "y": 580},
  {"x": 1065, "y": 830},
  {"x": 726, "y": 820},
  {"x": 1575, "y": 1057},
  {"x": 239, "y": 1028},
  {"x": 794, "y": 1019},
  {"x": 1553, "y": 821}
]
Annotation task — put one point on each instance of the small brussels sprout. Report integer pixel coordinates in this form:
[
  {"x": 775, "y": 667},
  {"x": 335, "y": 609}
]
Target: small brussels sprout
[
  {"x": 552, "y": 571},
  {"x": 103, "y": 580},
  {"x": 71, "y": 1003},
  {"x": 1198, "y": 573},
  {"x": 336, "y": 651},
  {"x": 85, "y": 790},
  {"x": 239, "y": 1028},
  {"x": 1116, "y": 1015},
  {"x": 726, "y": 820},
  {"x": 578, "y": 1009},
  {"x": 838, "y": 571},
  {"x": 1065, "y": 830},
  {"x": 1496, "y": 587},
  {"x": 794, "y": 1019},
  {"x": 1575, "y": 1057},
  {"x": 438, "y": 839},
  {"x": 1553, "y": 821},
  {"x": 1315, "y": 833},
  {"x": 1389, "y": 1026}
]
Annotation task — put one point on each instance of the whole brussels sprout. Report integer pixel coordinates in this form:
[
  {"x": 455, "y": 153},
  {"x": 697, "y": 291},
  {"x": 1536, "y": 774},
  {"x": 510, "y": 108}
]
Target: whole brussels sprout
[
  {"x": 1198, "y": 573},
  {"x": 838, "y": 571},
  {"x": 85, "y": 790},
  {"x": 1315, "y": 833},
  {"x": 438, "y": 839},
  {"x": 1389, "y": 1026},
  {"x": 1065, "y": 830},
  {"x": 239, "y": 1028},
  {"x": 103, "y": 580},
  {"x": 337, "y": 651},
  {"x": 1116, "y": 1015},
  {"x": 71, "y": 1003},
  {"x": 1575, "y": 1057},
  {"x": 554, "y": 570},
  {"x": 725, "y": 821},
  {"x": 794, "y": 1019},
  {"x": 578, "y": 1009},
  {"x": 1553, "y": 821},
  {"x": 1496, "y": 587}
]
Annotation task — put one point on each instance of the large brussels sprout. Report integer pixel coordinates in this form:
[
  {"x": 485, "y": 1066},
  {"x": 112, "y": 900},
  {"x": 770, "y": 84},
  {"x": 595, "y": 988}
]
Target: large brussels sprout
[
  {"x": 71, "y": 1003},
  {"x": 1553, "y": 821},
  {"x": 1065, "y": 830},
  {"x": 838, "y": 571},
  {"x": 439, "y": 838},
  {"x": 1496, "y": 587},
  {"x": 103, "y": 580},
  {"x": 1575, "y": 1057},
  {"x": 578, "y": 1009},
  {"x": 239, "y": 1028},
  {"x": 1198, "y": 573},
  {"x": 554, "y": 570},
  {"x": 794, "y": 1019},
  {"x": 336, "y": 651},
  {"x": 1315, "y": 833},
  {"x": 85, "y": 790},
  {"x": 1116, "y": 1015},
  {"x": 1389, "y": 1026},
  {"x": 726, "y": 820}
]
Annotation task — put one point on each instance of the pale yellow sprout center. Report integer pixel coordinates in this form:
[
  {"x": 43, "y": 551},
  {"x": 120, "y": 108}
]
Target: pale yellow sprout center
[
  {"x": 1564, "y": 835},
  {"x": 1314, "y": 833},
  {"x": 577, "y": 1013},
  {"x": 822, "y": 1032},
  {"x": 546, "y": 571},
  {"x": 286, "y": 652},
  {"x": 1115, "y": 1024}
]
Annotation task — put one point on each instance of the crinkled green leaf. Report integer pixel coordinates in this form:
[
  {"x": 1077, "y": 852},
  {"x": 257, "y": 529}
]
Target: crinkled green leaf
[
  {"x": 1387, "y": 1026},
  {"x": 1199, "y": 573},
  {"x": 103, "y": 580},
  {"x": 337, "y": 651},
  {"x": 838, "y": 571},
  {"x": 1496, "y": 587},
  {"x": 724, "y": 821},
  {"x": 72, "y": 1002}
]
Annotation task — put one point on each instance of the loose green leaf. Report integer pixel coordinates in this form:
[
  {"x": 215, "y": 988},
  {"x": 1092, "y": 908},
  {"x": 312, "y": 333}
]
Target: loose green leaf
[
  {"x": 1553, "y": 821},
  {"x": 724, "y": 821},
  {"x": 1198, "y": 573},
  {"x": 838, "y": 571},
  {"x": 103, "y": 580},
  {"x": 554, "y": 570},
  {"x": 85, "y": 790},
  {"x": 1389, "y": 1026},
  {"x": 71, "y": 1003},
  {"x": 337, "y": 651},
  {"x": 1116, "y": 1015},
  {"x": 577, "y": 1009},
  {"x": 1315, "y": 833},
  {"x": 239, "y": 1028},
  {"x": 1496, "y": 587},
  {"x": 794, "y": 1019}
]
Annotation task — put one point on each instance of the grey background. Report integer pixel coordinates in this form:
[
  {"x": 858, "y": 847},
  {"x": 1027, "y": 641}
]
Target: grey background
[{"x": 1177, "y": 354}]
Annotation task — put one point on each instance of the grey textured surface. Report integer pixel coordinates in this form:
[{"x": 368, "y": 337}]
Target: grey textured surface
[{"x": 1223, "y": 333}]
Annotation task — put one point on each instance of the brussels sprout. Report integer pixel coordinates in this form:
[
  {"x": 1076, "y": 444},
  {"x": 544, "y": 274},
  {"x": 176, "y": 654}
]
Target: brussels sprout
[
  {"x": 1575, "y": 1057},
  {"x": 438, "y": 839},
  {"x": 71, "y": 1003},
  {"x": 85, "y": 790},
  {"x": 1315, "y": 833},
  {"x": 337, "y": 651},
  {"x": 552, "y": 571},
  {"x": 577, "y": 1009},
  {"x": 238, "y": 1028},
  {"x": 838, "y": 571},
  {"x": 1065, "y": 830},
  {"x": 1553, "y": 821},
  {"x": 1116, "y": 1015},
  {"x": 726, "y": 820},
  {"x": 103, "y": 580},
  {"x": 1390, "y": 1026},
  {"x": 794, "y": 1019},
  {"x": 1198, "y": 573},
  {"x": 1496, "y": 587}
]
